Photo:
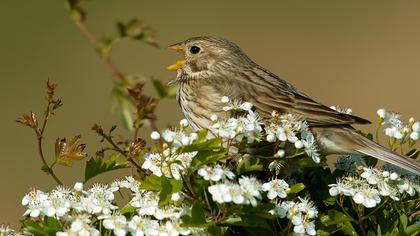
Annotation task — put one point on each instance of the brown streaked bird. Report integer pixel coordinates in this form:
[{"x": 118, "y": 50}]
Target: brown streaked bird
[{"x": 214, "y": 67}]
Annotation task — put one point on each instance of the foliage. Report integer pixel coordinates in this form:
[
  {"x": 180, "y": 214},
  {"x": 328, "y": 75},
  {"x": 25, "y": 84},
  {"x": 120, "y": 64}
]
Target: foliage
[{"x": 242, "y": 176}]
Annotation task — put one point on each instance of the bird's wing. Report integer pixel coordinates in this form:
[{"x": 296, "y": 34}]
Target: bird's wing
[{"x": 268, "y": 92}]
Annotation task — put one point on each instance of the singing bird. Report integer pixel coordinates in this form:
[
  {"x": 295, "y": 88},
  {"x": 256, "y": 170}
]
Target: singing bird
[{"x": 215, "y": 67}]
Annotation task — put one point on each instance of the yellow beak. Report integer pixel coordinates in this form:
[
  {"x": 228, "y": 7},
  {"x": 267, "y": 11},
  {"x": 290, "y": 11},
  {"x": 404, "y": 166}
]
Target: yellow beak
[
  {"x": 178, "y": 64},
  {"x": 176, "y": 47}
]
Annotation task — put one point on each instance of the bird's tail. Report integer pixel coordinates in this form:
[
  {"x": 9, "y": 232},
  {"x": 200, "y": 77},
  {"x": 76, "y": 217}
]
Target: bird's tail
[{"x": 348, "y": 141}]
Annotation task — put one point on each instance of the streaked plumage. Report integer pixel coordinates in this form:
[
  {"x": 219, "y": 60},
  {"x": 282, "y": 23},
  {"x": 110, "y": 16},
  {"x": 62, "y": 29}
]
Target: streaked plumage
[{"x": 221, "y": 68}]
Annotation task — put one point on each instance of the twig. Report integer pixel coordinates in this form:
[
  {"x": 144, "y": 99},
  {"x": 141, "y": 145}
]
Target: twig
[{"x": 94, "y": 42}]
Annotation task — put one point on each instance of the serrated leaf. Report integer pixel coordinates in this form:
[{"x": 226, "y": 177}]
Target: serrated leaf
[
  {"x": 99, "y": 165},
  {"x": 297, "y": 188},
  {"x": 169, "y": 187},
  {"x": 48, "y": 227}
]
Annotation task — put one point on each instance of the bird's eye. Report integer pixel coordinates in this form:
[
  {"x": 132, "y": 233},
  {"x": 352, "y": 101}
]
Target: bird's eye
[{"x": 194, "y": 49}]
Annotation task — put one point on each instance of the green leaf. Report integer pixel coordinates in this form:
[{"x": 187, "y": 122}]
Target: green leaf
[
  {"x": 197, "y": 216},
  {"x": 34, "y": 228},
  {"x": 164, "y": 91},
  {"x": 48, "y": 227},
  {"x": 99, "y": 165},
  {"x": 211, "y": 144},
  {"x": 122, "y": 105},
  {"x": 169, "y": 187},
  {"x": 51, "y": 225},
  {"x": 297, "y": 188},
  {"x": 248, "y": 221},
  {"x": 214, "y": 230},
  {"x": 334, "y": 217},
  {"x": 152, "y": 182},
  {"x": 128, "y": 210},
  {"x": 249, "y": 165},
  {"x": 206, "y": 157}
]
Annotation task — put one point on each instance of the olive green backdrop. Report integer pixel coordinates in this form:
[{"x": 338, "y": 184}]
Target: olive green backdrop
[{"x": 359, "y": 54}]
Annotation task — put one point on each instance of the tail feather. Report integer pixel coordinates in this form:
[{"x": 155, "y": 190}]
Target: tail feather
[
  {"x": 342, "y": 140},
  {"x": 375, "y": 150}
]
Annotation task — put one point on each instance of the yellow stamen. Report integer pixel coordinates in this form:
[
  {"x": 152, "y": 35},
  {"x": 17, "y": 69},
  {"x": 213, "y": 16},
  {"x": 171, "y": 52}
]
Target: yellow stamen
[{"x": 178, "y": 64}]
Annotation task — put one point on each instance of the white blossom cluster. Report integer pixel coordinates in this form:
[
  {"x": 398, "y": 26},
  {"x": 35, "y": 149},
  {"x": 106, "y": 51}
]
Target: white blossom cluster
[
  {"x": 281, "y": 128},
  {"x": 287, "y": 128},
  {"x": 237, "y": 128},
  {"x": 301, "y": 213},
  {"x": 215, "y": 173},
  {"x": 372, "y": 184},
  {"x": 396, "y": 128},
  {"x": 246, "y": 191},
  {"x": 82, "y": 209},
  {"x": 169, "y": 162}
]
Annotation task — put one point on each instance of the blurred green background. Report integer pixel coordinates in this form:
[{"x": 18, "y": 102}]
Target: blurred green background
[{"x": 358, "y": 54}]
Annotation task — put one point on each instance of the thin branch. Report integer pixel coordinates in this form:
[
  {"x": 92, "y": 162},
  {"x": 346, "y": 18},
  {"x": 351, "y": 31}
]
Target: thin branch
[{"x": 94, "y": 42}]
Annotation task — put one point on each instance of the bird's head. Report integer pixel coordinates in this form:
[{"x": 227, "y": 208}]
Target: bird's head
[{"x": 206, "y": 54}]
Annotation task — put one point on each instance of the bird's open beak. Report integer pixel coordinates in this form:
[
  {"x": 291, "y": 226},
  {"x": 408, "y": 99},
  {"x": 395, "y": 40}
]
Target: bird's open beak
[{"x": 178, "y": 64}]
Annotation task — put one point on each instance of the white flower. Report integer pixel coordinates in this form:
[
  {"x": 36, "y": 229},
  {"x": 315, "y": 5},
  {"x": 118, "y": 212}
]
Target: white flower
[
  {"x": 226, "y": 129},
  {"x": 213, "y": 117},
  {"x": 246, "y": 106},
  {"x": 34, "y": 202},
  {"x": 406, "y": 186},
  {"x": 308, "y": 227},
  {"x": 210, "y": 173},
  {"x": 250, "y": 190},
  {"x": 311, "y": 148},
  {"x": 116, "y": 223},
  {"x": 58, "y": 203},
  {"x": 168, "y": 135},
  {"x": 286, "y": 133},
  {"x": 366, "y": 196},
  {"x": 394, "y": 176},
  {"x": 155, "y": 135},
  {"x": 139, "y": 226},
  {"x": 370, "y": 175},
  {"x": 416, "y": 126},
  {"x": 80, "y": 226},
  {"x": 394, "y": 132},
  {"x": 415, "y": 135},
  {"x": 341, "y": 188},
  {"x": 276, "y": 188}
]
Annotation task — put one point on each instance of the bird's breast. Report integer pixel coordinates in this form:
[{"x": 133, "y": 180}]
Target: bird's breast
[{"x": 198, "y": 101}]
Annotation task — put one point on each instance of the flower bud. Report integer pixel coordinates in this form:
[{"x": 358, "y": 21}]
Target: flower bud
[
  {"x": 381, "y": 113},
  {"x": 298, "y": 144},
  {"x": 78, "y": 186},
  {"x": 183, "y": 123},
  {"x": 155, "y": 135}
]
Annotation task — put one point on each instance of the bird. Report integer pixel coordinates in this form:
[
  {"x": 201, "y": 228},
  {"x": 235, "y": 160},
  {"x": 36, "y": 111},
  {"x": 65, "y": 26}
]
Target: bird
[{"x": 214, "y": 67}]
